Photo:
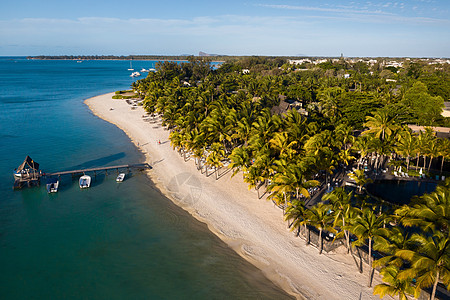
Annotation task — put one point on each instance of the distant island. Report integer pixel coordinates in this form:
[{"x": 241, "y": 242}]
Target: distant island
[{"x": 183, "y": 57}]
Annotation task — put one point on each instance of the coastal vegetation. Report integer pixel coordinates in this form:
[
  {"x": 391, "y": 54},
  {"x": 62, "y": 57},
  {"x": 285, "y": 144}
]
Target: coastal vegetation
[
  {"x": 297, "y": 132},
  {"x": 125, "y": 95}
]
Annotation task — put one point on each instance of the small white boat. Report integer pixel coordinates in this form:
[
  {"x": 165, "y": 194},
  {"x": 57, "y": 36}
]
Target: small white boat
[
  {"x": 135, "y": 74},
  {"x": 18, "y": 174},
  {"x": 131, "y": 67},
  {"x": 85, "y": 181},
  {"x": 144, "y": 70},
  {"x": 52, "y": 185},
  {"x": 120, "y": 177}
]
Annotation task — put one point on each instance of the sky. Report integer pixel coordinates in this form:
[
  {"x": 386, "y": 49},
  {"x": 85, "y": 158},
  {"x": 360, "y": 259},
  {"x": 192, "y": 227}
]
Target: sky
[{"x": 404, "y": 28}]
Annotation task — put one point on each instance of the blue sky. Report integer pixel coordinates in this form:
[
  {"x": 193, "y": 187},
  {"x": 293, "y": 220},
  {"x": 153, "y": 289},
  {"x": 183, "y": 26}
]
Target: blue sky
[{"x": 415, "y": 28}]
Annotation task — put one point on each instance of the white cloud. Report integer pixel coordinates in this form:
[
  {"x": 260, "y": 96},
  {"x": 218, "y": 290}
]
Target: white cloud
[{"x": 362, "y": 15}]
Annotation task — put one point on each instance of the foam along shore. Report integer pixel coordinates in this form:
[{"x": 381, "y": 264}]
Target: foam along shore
[{"x": 253, "y": 227}]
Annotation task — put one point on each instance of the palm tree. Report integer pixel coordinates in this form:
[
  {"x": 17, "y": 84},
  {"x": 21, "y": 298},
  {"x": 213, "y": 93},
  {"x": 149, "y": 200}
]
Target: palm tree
[
  {"x": 407, "y": 145},
  {"x": 342, "y": 209},
  {"x": 430, "y": 211},
  {"x": 215, "y": 157},
  {"x": 297, "y": 213},
  {"x": 430, "y": 263},
  {"x": 389, "y": 241},
  {"x": 345, "y": 156},
  {"x": 444, "y": 151},
  {"x": 380, "y": 124},
  {"x": 282, "y": 144},
  {"x": 360, "y": 178},
  {"x": 362, "y": 146},
  {"x": 366, "y": 226},
  {"x": 344, "y": 136},
  {"x": 393, "y": 285},
  {"x": 432, "y": 150},
  {"x": 293, "y": 179},
  {"x": 320, "y": 218},
  {"x": 240, "y": 160},
  {"x": 424, "y": 139},
  {"x": 253, "y": 177}
]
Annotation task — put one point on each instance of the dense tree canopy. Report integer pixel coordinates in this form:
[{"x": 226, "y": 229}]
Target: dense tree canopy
[{"x": 291, "y": 132}]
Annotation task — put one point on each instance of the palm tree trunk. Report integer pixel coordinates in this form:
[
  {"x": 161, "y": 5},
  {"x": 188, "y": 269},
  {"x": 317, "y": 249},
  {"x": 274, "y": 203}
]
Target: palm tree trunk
[
  {"x": 308, "y": 235},
  {"x": 442, "y": 163},
  {"x": 434, "y": 286},
  {"x": 320, "y": 241},
  {"x": 417, "y": 163},
  {"x": 424, "y": 162},
  {"x": 407, "y": 163},
  {"x": 370, "y": 263},
  {"x": 347, "y": 235},
  {"x": 347, "y": 241},
  {"x": 429, "y": 166}
]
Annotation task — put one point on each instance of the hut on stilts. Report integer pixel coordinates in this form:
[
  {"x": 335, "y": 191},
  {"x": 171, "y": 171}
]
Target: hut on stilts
[{"x": 27, "y": 174}]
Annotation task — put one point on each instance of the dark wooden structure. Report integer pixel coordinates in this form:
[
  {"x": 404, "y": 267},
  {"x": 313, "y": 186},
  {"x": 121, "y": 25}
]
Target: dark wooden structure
[{"x": 27, "y": 174}]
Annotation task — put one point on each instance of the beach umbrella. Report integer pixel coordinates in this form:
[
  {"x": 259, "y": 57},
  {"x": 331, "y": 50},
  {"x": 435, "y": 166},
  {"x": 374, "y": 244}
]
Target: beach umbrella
[
  {"x": 420, "y": 172},
  {"x": 400, "y": 169}
]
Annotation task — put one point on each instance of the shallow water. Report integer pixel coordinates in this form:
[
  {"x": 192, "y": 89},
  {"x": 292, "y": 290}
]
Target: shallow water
[{"x": 113, "y": 240}]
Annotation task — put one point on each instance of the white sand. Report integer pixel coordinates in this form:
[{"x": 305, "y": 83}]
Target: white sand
[{"x": 253, "y": 227}]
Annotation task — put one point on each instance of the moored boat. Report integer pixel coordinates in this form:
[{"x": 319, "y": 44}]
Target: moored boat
[
  {"x": 85, "y": 181},
  {"x": 52, "y": 185},
  {"x": 18, "y": 174},
  {"x": 120, "y": 177},
  {"x": 135, "y": 74},
  {"x": 131, "y": 66}
]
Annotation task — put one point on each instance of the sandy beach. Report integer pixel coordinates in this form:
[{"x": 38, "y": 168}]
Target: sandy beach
[{"x": 253, "y": 227}]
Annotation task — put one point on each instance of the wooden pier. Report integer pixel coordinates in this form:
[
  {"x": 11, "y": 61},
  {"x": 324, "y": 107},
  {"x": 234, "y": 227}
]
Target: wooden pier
[
  {"x": 33, "y": 177},
  {"x": 99, "y": 169}
]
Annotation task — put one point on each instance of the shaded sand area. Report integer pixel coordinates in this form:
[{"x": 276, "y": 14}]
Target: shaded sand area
[{"x": 253, "y": 227}]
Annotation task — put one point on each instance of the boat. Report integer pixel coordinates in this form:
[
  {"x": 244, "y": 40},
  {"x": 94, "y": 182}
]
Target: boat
[
  {"x": 52, "y": 185},
  {"x": 144, "y": 70},
  {"x": 135, "y": 74},
  {"x": 120, "y": 177},
  {"x": 18, "y": 174},
  {"x": 131, "y": 67},
  {"x": 85, "y": 181}
]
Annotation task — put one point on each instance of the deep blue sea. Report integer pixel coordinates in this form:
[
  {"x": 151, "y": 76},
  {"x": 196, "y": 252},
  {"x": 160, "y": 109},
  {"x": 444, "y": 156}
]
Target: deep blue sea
[{"x": 111, "y": 241}]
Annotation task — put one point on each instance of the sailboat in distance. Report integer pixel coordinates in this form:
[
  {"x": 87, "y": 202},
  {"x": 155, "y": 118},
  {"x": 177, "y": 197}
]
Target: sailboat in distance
[{"x": 131, "y": 66}]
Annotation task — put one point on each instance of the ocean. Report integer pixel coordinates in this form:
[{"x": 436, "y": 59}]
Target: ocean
[{"x": 113, "y": 240}]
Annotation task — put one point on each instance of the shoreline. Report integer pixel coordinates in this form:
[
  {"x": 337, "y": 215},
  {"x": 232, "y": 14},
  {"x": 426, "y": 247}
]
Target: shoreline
[{"x": 252, "y": 227}]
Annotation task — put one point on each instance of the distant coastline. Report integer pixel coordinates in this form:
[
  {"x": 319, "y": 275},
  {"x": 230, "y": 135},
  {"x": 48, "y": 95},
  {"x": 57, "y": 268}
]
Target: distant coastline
[{"x": 129, "y": 57}]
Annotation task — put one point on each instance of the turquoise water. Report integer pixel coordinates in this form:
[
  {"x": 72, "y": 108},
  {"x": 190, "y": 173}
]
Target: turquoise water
[{"x": 112, "y": 241}]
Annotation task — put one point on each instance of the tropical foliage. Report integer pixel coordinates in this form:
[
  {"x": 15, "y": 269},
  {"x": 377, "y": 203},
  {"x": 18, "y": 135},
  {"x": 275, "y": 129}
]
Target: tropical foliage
[{"x": 292, "y": 134}]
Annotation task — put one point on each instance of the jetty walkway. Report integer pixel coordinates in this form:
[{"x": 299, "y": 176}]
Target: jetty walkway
[{"x": 99, "y": 169}]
